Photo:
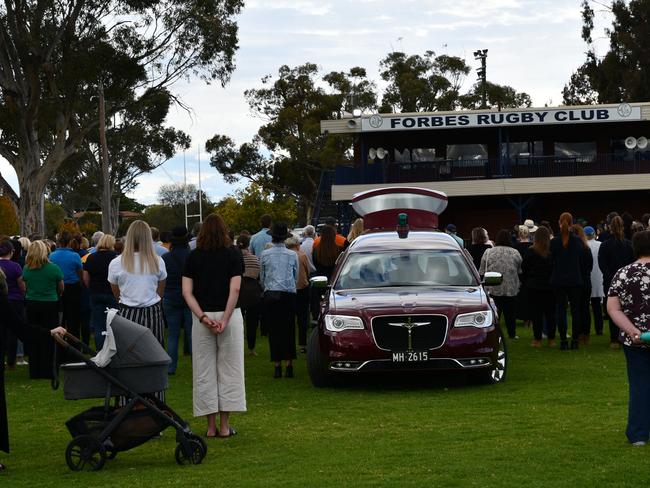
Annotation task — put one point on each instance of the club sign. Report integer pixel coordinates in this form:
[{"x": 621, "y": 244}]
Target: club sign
[{"x": 622, "y": 113}]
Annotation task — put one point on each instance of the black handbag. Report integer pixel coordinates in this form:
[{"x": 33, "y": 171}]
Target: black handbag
[{"x": 250, "y": 293}]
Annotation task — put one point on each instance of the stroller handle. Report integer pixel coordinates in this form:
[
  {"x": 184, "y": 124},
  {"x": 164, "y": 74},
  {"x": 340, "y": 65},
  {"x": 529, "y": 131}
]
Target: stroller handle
[{"x": 60, "y": 338}]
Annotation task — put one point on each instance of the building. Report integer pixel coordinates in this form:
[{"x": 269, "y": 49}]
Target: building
[{"x": 501, "y": 167}]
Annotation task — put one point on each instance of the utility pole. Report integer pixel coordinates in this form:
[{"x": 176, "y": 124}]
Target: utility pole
[
  {"x": 481, "y": 71},
  {"x": 107, "y": 221}
]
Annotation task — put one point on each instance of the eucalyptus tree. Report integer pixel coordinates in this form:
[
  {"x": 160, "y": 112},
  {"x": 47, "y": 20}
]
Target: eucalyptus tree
[{"x": 55, "y": 56}]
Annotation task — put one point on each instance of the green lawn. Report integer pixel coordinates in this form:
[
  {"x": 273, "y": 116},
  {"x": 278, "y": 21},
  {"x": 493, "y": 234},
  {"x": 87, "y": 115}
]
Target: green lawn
[{"x": 558, "y": 420}]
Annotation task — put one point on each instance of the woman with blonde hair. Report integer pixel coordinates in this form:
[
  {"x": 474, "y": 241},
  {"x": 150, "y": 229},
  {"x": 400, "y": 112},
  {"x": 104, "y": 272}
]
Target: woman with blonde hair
[
  {"x": 355, "y": 230},
  {"x": 137, "y": 279},
  {"x": 567, "y": 278},
  {"x": 95, "y": 277},
  {"x": 44, "y": 286}
]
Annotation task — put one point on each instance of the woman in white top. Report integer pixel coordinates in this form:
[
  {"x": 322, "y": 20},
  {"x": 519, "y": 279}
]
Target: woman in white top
[
  {"x": 597, "y": 293},
  {"x": 137, "y": 278}
]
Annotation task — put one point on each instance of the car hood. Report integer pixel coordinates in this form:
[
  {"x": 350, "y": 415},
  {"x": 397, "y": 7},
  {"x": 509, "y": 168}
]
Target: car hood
[{"x": 449, "y": 300}]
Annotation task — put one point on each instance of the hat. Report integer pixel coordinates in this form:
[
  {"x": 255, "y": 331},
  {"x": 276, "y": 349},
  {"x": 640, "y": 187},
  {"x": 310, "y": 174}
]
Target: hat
[
  {"x": 179, "y": 235},
  {"x": 531, "y": 225},
  {"x": 451, "y": 227},
  {"x": 589, "y": 230},
  {"x": 279, "y": 231}
]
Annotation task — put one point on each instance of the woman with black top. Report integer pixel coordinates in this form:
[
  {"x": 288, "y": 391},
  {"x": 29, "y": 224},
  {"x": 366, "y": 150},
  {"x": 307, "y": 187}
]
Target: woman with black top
[
  {"x": 177, "y": 313},
  {"x": 211, "y": 283},
  {"x": 9, "y": 319},
  {"x": 614, "y": 253},
  {"x": 537, "y": 268},
  {"x": 95, "y": 277},
  {"x": 479, "y": 245},
  {"x": 567, "y": 255},
  {"x": 585, "y": 301}
]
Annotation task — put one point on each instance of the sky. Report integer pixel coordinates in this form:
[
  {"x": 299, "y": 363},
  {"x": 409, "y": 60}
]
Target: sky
[{"x": 534, "y": 46}]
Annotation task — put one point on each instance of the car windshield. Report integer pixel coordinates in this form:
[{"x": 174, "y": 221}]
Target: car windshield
[{"x": 418, "y": 267}]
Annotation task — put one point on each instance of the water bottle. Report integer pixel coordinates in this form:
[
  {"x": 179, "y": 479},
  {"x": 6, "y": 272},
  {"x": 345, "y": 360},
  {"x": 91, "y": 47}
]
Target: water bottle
[{"x": 645, "y": 336}]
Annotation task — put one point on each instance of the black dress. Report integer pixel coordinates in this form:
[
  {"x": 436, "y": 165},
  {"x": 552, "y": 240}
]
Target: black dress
[{"x": 26, "y": 333}]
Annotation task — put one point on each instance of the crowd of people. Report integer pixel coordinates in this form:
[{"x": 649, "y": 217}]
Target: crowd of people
[
  {"x": 219, "y": 289},
  {"x": 213, "y": 287},
  {"x": 549, "y": 271}
]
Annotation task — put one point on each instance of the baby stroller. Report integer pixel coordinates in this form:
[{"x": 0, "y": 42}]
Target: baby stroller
[{"x": 131, "y": 364}]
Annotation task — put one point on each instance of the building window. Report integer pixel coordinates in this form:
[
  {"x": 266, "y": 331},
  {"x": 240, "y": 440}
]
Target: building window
[
  {"x": 467, "y": 151},
  {"x": 576, "y": 150},
  {"x": 402, "y": 156},
  {"x": 523, "y": 149},
  {"x": 423, "y": 154}
]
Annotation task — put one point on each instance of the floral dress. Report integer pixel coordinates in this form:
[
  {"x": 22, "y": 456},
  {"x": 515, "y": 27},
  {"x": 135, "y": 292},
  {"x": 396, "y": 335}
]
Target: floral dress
[{"x": 631, "y": 285}]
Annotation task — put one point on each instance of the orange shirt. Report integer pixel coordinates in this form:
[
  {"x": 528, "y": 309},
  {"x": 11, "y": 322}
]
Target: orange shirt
[{"x": 340, "y": 241}]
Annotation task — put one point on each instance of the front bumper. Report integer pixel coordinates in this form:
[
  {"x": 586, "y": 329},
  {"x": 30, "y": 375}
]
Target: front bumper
[{"x": 464, "y": 349}]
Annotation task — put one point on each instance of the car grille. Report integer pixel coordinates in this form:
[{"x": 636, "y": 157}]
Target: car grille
[{"x": 427, "y": 332}]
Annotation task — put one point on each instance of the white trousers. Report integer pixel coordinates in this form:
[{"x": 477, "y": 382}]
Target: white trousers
[{"x": 218, "y": 366}]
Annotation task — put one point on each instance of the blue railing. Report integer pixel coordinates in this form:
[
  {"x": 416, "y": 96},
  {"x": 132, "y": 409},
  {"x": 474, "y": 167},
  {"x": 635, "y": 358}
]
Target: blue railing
[{"x": 476, "y": 169}]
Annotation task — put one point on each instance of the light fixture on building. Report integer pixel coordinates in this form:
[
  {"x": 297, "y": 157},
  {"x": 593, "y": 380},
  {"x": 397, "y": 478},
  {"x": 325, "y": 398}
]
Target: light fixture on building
[
  {"x": 372, "y": 153},
  {"x": 642, "y": 142},
  {"x": 381, "y": 152},
  {"x": 631, "y": 142},
  {"x": 352, "y": 124}
]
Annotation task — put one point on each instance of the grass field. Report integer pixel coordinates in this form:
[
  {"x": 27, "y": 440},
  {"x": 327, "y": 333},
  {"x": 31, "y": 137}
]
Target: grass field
[{"x": 558, "y": 420}]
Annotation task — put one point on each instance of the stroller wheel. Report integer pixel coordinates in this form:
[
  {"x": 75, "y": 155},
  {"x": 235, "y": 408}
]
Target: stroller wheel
[
  {"x": 201, "y": 441},
  {"x": 190, "y": 451},
  {"x": 85, "y": 452}
]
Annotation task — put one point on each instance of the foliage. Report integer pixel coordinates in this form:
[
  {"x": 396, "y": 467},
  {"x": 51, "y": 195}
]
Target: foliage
[
  {"x": 623, "y": 73},
  {"x": 137, "y": 143},
  {"x": 292, "y": 107},
  {"x": 421, "y": 83},
  {"x": 55, "y": 55},
  {"x": 171, "y": 210},
  {"x": 55, "y": 215},
  {"x": 8, "y": 218},
  {"x": 498, "y": 96},
  {"x": 69, "y": 225},
  {"x": 557, "y": 411},
  {"x": 243, "y": 210},
  {"x": 90, "y": 223}
]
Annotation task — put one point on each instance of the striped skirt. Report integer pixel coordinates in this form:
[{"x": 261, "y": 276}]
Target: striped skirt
[{"x": 152, "y": 318}]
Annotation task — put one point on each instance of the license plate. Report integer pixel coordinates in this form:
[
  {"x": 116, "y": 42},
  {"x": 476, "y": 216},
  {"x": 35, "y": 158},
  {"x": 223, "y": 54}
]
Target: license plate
[{"x": 410, "y": 356}]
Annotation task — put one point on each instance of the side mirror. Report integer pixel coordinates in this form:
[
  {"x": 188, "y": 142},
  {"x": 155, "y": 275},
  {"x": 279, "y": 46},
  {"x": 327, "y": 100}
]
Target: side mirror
[
  {"x": 492, "y": 278},
  {"x": 318, "y": 282}
]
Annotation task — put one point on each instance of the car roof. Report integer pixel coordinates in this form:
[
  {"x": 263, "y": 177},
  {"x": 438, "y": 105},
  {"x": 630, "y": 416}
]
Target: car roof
[{"x": 375, "y": 241}]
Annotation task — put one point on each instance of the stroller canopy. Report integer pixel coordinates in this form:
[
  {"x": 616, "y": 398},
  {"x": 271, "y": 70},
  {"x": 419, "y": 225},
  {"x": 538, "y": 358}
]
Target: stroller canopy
[{"x": 136, "y": 345}]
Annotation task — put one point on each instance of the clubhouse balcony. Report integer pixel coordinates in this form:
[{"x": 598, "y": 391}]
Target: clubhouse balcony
[{"x": 514, "y": 152}]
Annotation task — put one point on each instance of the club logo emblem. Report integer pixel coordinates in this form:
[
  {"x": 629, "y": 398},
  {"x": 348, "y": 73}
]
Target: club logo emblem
[
  {"x": 624, "y": 110},
  {"x": 376, "y": 121},
  {"x": 409, "y": 325}
]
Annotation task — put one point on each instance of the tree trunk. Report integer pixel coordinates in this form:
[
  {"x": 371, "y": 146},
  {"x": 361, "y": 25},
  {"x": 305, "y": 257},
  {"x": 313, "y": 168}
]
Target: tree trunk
[
  {"x": 30, "y": 209},
  {"x": 107, "y": 210}
]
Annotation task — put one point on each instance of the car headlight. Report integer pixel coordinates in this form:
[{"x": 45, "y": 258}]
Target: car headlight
[
  {"x": 475, "y": 319},
  {"x": 337, "y": 323}
]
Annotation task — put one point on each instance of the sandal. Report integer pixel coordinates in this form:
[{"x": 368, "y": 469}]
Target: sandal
[{"x": 231, "y": 432}]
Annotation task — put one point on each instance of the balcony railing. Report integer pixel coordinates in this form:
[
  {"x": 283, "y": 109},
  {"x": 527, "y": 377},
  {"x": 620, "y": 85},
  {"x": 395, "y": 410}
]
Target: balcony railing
[{"x": 477, "y": 169}]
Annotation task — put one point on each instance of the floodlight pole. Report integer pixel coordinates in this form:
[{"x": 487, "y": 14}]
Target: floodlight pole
[{"x": 481, "y": 55}]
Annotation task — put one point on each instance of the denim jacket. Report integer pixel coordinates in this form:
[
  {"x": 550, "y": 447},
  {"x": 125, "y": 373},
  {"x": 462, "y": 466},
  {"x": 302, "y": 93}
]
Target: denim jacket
[{"x": 279, "y": 269}]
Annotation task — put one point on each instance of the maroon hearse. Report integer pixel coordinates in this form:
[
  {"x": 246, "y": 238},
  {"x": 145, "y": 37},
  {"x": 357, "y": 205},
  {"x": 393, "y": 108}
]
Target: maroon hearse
[{"x": 408, "y": 298}]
